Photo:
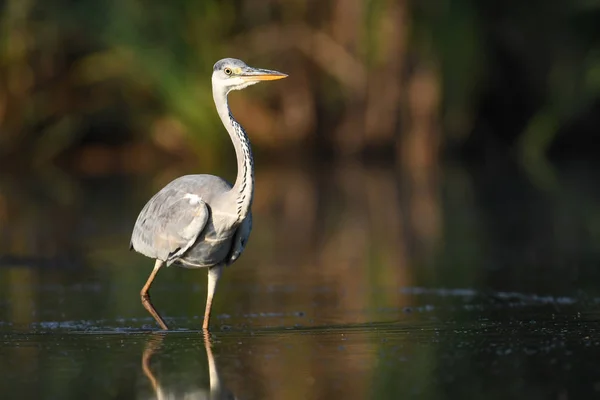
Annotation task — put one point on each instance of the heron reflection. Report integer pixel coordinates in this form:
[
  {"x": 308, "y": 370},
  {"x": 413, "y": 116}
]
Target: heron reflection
[{"x": 163, "y": 391}]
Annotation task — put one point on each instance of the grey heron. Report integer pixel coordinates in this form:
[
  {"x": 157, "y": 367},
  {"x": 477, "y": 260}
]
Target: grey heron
[{"x": 202, "y": 221}]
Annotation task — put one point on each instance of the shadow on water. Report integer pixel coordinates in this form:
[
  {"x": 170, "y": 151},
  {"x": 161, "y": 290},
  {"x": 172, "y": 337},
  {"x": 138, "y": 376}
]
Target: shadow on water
[{"x": 358, "y": 282}]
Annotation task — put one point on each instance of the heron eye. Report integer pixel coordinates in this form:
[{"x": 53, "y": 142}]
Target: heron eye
[{"x": 228, "y": 71}]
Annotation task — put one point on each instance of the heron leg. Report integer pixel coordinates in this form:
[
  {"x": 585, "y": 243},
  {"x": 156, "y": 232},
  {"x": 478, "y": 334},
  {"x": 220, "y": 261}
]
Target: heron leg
[
  {"x": 146, "y": 296},
  {"x": 214, "y": 273}
]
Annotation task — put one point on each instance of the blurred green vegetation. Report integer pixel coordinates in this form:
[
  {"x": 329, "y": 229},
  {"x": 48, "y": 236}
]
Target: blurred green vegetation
[{"x": 90, "y": 79}]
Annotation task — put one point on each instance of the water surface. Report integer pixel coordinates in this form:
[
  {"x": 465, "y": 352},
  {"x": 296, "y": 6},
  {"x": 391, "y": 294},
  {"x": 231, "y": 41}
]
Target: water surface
[{"x": 358, "y": 282}]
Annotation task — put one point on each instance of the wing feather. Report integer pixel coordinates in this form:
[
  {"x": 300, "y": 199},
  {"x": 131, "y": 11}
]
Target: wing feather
[{"x": 169, "y": 224}]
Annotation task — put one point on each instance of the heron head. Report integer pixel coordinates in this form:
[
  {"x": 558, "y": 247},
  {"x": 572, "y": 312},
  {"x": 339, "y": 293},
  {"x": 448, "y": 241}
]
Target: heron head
[{"x": 232, "y": 74}]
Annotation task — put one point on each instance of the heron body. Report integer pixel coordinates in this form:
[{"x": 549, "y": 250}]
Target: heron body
[
  {"x": 194, "y": 228},
  {"x": 203, "y": 221}
]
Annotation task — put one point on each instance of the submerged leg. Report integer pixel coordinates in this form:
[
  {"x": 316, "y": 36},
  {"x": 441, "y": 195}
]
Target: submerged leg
[
  {"x": 214, "y": 273},
  {"x": 146, "y": 297}
]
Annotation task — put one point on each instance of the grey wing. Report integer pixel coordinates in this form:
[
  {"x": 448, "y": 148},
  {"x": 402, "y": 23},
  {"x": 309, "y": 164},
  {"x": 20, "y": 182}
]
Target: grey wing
[
  {"x": 240, "y": 240},
  {"x": 169, "y": 224}
]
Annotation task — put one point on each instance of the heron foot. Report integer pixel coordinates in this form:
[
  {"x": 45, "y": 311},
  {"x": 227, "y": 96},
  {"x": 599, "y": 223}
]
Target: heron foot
[{"x": 145, "y": 297}]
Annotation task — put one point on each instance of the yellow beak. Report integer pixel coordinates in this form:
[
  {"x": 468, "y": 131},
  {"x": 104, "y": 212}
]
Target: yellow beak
[{"x": 256, "y": 74}]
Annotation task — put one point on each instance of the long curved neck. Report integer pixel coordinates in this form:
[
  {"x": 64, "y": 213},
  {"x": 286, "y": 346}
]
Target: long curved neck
[{"x": 243, "y": 189}]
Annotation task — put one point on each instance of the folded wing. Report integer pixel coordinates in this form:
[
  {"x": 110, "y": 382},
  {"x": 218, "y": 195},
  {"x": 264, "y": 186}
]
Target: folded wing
[{"x": 169, "y": 224}]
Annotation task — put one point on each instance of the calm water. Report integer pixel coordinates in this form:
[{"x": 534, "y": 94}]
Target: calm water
[{"x": 358, "y": 283}]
